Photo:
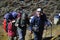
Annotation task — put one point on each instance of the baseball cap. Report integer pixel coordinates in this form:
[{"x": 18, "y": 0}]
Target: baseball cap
[{"x": 39, "y": 9}]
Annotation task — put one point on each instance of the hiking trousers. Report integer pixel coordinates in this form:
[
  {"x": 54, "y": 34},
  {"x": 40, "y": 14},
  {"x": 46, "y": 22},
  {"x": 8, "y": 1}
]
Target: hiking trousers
[{"x": 21, "y": 33}]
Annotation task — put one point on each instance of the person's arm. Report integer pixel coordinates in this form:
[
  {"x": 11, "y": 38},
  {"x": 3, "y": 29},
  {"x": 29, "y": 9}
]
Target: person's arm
[
  {"x": 16, "y": 23},
  {"x": 31, "y": 24},
  {"x": 45, "y": 19},
  {"x": 47, "y": 22}
]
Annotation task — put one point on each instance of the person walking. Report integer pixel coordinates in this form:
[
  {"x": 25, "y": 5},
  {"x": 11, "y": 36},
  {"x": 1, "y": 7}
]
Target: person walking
[
  {"x": 21, "y": 24},
  {"x": 37, "y": 24}
]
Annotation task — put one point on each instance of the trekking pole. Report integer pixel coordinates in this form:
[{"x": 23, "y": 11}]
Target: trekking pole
[
  {"x": 51, "y": 30},
  {"x": 45, "y": 31}
]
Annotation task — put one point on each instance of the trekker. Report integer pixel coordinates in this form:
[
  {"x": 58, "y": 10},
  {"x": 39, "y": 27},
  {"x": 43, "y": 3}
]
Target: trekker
[
  {"x": 12, "y": 30},
  {"x": 37, "y": 24},
  {"x": 21, "y": 24}
]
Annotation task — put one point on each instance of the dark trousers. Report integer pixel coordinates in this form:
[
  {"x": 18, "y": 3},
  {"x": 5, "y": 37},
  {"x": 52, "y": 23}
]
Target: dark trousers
[{"x": 38, "y": 35}]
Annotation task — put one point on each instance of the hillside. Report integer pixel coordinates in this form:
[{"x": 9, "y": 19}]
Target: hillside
[
  {"x": 46, "y": 35},
  {"x": 50, "y": 6}
]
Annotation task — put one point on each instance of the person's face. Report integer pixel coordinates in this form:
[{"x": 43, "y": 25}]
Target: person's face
[{"x": 38, "y": 13}]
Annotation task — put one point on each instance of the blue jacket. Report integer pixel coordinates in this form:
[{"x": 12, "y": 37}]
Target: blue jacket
[{"x": 39, "y": 21}]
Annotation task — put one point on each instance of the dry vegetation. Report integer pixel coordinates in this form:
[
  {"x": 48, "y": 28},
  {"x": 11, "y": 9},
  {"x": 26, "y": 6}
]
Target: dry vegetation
[
  {"x": 51, "y": 7},
  {"x": 55, "y": 33}
]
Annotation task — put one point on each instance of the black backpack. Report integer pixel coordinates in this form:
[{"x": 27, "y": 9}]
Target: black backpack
[{"x": 23, "y": 20}]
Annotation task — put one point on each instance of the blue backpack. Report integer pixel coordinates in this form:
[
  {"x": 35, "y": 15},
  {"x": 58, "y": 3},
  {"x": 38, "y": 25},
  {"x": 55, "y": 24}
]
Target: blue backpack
[
  {"x": 14, "y": 14},
  {"x": 8, "y": 16}
]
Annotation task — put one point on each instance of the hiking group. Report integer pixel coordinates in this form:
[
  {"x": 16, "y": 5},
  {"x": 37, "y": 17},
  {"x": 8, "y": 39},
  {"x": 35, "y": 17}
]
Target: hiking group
[{"x": 17, "y": 22}]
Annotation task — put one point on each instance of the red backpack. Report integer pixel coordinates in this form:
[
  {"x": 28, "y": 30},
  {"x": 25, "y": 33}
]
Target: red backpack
[
  {"x": 4, "y": 24},
  {"x": 11, "y": 29}
]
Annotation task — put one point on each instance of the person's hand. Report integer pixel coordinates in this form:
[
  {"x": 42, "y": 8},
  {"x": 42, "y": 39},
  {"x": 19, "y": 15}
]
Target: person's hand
[
  {"x": 23, "y": 25},
  {"x": 16, "y": 24},
  {"x": 13, "y": 21},
  {"x": 30, "y": 32}
]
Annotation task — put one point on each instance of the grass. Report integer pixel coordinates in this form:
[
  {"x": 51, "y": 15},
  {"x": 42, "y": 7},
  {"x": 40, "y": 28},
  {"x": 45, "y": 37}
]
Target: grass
[
  {"x": 55, "y": 32},
  {"x": 3, "y": 34}
]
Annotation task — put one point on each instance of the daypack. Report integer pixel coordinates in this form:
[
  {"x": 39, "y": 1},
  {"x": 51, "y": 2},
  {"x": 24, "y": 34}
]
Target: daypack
[
  {"x": 7, "y": 17},
  {"x": 4, "y": 24},
  {"x": 31, "y": 18},
  {"x": 12, "y": 29},
  {"x": 14, "y": 14},
  {"x": 22, "y": 21}
]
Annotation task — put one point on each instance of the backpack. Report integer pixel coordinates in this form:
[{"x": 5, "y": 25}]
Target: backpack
[
  {"x": 7, "y": 16},
  {"x": 21, "y": 21},
  {"x": 31, "y": 18},
  {"x": 4, "y": 24},
  {"x": 14, "y": 14},
  {"x": 12, "y": 29}
]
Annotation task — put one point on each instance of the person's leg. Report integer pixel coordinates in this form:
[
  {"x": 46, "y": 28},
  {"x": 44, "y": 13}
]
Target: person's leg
[
  {"x": 35, "y": 36},
  {"x": 10, "y": 38},
  {"x": 38, "y": 36},
  {"x": 20, "y": 33},
  {"x": 40, "y": 33},
  {"x": 15, "y": 38},
  {"x": 24, "y": 33}
]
